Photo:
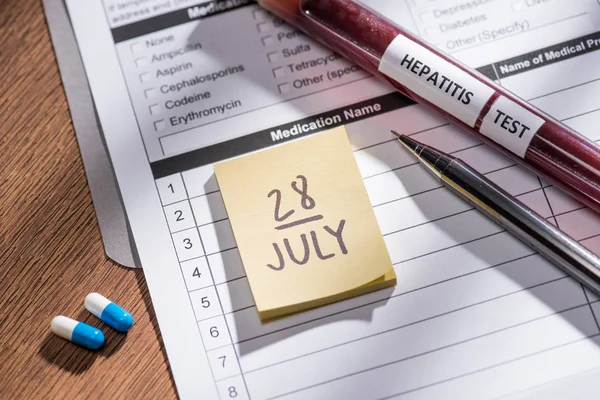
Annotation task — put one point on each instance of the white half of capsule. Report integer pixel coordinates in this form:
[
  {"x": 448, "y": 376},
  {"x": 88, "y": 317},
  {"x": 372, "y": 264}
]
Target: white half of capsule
[
  {"x": 96, "y": 303},
  {"x": 63, "y": 326}
]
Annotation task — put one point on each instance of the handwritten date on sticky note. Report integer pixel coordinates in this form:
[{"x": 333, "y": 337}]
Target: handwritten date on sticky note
[{"x": 303, "y": 223}]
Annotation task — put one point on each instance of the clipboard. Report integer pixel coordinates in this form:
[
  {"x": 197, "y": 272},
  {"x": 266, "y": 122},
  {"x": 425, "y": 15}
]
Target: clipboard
[{"x": 112, "y": 221}]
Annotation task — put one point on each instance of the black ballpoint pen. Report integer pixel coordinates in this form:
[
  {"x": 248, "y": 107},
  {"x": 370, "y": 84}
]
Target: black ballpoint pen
[{"x": 510, "y": 213}]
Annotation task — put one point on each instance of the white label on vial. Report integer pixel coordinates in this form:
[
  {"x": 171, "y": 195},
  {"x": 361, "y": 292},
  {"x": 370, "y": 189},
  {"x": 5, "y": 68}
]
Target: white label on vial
[
  {"x": 510, "y": 125},
  {"x": 435, "y": 79}
]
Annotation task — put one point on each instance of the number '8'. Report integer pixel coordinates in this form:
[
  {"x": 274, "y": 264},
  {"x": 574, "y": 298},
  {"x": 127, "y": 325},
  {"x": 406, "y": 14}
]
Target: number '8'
[{"x": 232, "y": 392}]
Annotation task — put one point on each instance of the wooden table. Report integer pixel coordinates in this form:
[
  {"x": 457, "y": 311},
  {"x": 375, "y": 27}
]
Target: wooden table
[{"x": 51, "y": 253}]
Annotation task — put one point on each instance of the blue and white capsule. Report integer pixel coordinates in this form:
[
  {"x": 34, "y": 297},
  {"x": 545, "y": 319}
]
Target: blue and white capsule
[
  {"x": 110, "y": 313},
  {"x": 77, "y": 332}
]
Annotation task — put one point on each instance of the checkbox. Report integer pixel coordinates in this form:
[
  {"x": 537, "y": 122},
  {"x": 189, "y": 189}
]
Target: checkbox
[
  {"x": 259, "y": 15},
  {"x": 263, "y": 26},
  {"x": 141, "y": 62},
  {"x": 278, "y": 72},
  {"x": 155, "y": 109},
  {"x": 273, "y": 57},
  {"x": 137, "y": 47},
  {"x": 432, "y": 32},
  {"x": 518, "y": 6},
  {"x": 145, "y": 77},
  {"x": 426, "y": 16},
  {"x": 150, "y": 93},
  {"x": 284, "y": 88},
  {"x": 159, "y": 125},
  {"x": 268, "y": 41}
]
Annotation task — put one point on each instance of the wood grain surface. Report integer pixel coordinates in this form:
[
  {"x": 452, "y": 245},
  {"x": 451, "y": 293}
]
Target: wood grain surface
[{"x": 51, "y": 253}]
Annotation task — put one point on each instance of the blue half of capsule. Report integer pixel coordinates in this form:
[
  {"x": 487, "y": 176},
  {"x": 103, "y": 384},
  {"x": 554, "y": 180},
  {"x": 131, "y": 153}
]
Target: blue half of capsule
[
  {"x": 115, "y": 316},
  {"x": 110, "y": 313}
]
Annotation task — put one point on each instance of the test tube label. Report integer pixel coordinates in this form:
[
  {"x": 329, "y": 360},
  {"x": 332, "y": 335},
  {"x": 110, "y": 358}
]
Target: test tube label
[
  {"x": 435, "y": 79},
  {"x": 510, "y": 125}
]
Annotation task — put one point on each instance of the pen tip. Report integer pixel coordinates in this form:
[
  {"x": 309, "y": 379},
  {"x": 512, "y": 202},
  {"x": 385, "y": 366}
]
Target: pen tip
[{"x": 410, "y": 144}]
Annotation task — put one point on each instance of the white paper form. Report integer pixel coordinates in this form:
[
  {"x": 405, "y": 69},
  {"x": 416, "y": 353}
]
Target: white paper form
[{"x": 476, "y": 314}]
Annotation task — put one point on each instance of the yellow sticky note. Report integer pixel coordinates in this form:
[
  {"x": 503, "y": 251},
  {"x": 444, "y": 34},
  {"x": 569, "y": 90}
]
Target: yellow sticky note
[{"x": 303, "y": 223}]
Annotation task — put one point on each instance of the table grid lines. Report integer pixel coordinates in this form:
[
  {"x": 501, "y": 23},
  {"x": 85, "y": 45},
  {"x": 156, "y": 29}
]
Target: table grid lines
[
  {"x": 341, "y": 344},
  {"x": 433, "y": 351},
  {"x": 492, "y": 366}
]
